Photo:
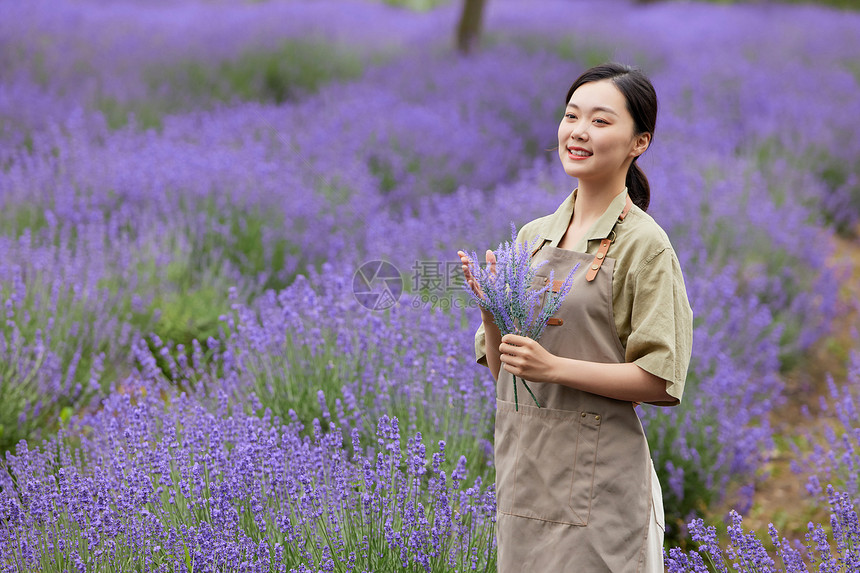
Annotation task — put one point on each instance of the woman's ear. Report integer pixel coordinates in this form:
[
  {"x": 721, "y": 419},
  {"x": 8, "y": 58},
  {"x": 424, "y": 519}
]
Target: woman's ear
[{"x": 641, "y": 143}]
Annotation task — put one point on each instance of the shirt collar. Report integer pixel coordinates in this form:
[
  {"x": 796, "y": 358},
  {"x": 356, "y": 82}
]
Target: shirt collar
[{"x": 560, "y": 220}]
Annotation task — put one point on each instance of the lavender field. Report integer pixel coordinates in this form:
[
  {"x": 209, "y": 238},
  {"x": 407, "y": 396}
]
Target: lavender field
[{"x": 188, "y": 380}]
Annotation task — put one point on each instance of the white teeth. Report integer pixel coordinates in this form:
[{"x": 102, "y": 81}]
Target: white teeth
[{"x": 579, "y": 153}]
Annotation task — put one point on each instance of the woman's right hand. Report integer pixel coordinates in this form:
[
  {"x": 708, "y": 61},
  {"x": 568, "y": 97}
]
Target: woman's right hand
[{"x": 467, "y": 274}]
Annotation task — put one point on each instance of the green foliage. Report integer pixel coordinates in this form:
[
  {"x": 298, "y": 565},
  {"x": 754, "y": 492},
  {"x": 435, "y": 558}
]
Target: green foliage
[
  {"x": 52, "y": 341},
  {"x": 247, "y": 229},
  {"x": 294, "y": 69},
  {"x": 54, "y": 359},
  {"x": 854, "y": 67},
  {"x": 187, "y": 316},
  {"x": 234, "y": 239},
  {"x": 843, "y": 4},
  {"x": 18, "y": 387},
  {"x": 277, "y": 76},
  {"x": 22, "y": 217},
  {"x": 292, "y": 380},
  {"x": 193, "y": 291},
  {"x": 588, "y": 53},
  {"x": 417, "y": 5},
  {"x": 146, "y": 114},
  {"x": 837, "y": 175},
  {"x": 25, "y": 369}
]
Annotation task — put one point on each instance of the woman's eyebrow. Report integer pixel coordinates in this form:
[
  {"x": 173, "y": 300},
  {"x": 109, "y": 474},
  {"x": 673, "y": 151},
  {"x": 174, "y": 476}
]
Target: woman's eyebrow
[{"x": 598, "y": 108}]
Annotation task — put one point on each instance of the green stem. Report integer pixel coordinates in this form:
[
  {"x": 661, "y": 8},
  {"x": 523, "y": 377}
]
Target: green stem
[
  {"x": 532, "y": 394},
  {"x": 516, "y": 401}
]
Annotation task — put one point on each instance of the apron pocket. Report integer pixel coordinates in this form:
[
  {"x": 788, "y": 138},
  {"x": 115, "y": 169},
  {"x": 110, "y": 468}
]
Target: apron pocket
[
  {"x": 582, "y": 485},
  {"x": 545, "y": 461}
]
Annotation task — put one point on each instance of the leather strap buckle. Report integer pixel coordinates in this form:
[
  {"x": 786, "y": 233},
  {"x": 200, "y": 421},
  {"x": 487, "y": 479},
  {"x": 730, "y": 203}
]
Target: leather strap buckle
[
  {"x": 604, "y": 245},
  {"x": 598, "y": 259}
]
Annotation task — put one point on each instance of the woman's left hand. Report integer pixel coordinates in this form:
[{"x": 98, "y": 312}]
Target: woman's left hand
[{"x": 526, "y": 358}]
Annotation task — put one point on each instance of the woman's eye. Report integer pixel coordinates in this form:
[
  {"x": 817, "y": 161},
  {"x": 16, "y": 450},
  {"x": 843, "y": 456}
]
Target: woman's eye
[
  {"x": 601, "y": 121},
  {"x": 569, "y": 116}
]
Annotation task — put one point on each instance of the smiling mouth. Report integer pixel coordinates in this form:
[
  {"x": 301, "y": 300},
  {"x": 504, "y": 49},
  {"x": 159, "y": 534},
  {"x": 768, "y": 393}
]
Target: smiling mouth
[{"x": 578, "y": 152}]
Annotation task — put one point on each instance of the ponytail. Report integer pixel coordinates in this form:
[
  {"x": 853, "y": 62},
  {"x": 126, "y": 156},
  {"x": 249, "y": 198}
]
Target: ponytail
[{"x": 638, "y": 187}]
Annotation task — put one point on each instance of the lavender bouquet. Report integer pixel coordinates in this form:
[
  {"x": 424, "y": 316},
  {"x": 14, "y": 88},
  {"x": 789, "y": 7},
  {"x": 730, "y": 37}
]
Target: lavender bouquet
[{"x": 507, "y": 294}]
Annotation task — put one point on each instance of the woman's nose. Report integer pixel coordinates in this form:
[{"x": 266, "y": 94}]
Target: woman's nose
[{"x": 579, "y": 132}]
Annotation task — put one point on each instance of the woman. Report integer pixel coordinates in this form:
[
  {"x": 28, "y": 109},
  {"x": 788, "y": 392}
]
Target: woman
[{"x": 576, "y": 489}]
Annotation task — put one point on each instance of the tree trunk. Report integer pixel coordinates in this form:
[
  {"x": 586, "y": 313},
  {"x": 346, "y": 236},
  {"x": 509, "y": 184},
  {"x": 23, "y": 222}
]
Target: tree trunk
[{"x": 469, "y": 28}]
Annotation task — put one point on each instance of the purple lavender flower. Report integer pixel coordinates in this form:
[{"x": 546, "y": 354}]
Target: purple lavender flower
[
  {"x": 110, "y": 235},
  {"x": 144, "y": 483},
  {"x": 507, "y": 293},
  {"x": 835, "y": 459},
  {"x": 835, "y": 552}
]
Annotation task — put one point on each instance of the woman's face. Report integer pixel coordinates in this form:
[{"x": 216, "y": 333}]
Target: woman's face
[{"x": 596, "y": 139}]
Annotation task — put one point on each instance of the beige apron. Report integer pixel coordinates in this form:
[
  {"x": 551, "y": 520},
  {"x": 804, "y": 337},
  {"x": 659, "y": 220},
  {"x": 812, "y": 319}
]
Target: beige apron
[{"x": 573, "y": 478}]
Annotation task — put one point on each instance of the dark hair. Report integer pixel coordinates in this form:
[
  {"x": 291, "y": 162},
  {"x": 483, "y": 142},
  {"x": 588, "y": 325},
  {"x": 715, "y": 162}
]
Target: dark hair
[{"x": 641, "y": 99}]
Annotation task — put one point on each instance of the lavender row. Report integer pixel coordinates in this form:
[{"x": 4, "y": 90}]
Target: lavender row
[
  {"x": 166, "y": 223},
  {"x": 253, "y": 195},
  {"x": 156, "y": 481},
  {"x": 58, "y": 58},
  {"x": 829, "y": 547},
  {"x": 315, "y": 351},
  {"x": 835, "y": 439},
  {"x": 829, "y": 463},
  {"x": 314, "y": 348}
]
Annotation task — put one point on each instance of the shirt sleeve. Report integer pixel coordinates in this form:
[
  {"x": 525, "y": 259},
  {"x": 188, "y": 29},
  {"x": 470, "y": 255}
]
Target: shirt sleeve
[
  {"x": 481, "y": 346},
  {"x": 661, "y": 338}
]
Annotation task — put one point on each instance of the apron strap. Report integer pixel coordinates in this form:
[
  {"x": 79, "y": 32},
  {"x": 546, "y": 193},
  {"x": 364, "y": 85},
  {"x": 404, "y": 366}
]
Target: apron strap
[{"x": 604, "y": 245}]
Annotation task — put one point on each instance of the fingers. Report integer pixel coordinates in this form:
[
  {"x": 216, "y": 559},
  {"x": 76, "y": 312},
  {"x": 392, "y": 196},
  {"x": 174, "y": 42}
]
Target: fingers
[
  {"x": 490, "y": 257},
  {"x": 508, "y": 348},
  {"x": 510, "y": 362},
  {"x": 464, "y": 259},
  {"x": 467, "y": 274},
  {"x": 515, "y": 339}
]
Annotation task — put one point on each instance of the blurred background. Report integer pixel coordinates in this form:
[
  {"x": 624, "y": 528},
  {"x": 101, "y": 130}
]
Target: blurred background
[{"x": 189, "y": 189}]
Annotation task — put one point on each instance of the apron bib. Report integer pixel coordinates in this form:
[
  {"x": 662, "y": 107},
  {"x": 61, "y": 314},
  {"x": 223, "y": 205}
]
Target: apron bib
[{"x": 573, "y": 478}]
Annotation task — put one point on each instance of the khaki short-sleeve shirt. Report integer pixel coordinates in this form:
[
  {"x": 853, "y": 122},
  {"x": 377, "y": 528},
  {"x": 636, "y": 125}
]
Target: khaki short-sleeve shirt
[{"x": 652, "y": 315}]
